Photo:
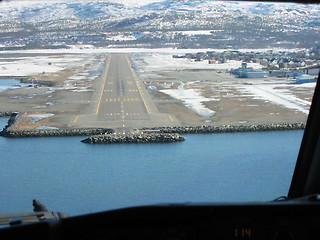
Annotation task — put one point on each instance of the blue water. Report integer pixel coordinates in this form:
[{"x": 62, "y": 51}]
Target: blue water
[
  {"x": 77, "y": 178},
  {"x": 6, "y": 84}
]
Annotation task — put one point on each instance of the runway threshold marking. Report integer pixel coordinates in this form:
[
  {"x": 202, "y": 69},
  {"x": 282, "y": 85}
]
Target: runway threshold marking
[
  {"x": 122, "y": 99},
  {"x": 138, "y": 85},
  {"x": 103, "y": 85}
]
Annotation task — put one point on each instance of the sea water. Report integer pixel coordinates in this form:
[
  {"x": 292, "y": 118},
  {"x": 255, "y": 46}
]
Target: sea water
[
  {"x": 78, "y": 178},
  {"x": 6, "y": 84}
]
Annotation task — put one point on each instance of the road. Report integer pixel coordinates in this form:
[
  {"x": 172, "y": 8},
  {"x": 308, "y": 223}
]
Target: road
[{"x": 121, "y": 100}]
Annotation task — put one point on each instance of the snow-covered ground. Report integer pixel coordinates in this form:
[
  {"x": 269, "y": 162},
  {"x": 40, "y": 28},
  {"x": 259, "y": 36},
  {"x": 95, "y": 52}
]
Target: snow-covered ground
[
  {"x": 192, "y": 99},
  {"x": 196, "y": 32},
  {"x": 125, "y": 2},
  {"x": 159, "y": 61},
  {"x": 27, "y": 66},
  {"x": 134, "y": 3},
  {"x": 84, "y": 49},
  {"x": 283, "y": 97},
  {"x": 151, "y": 62},
  {"x": 276, "y": 91},
  {"x": 39, "y": 116},
  {"x": 169, "y": 23},
  {"x": 73, "y": 72}
]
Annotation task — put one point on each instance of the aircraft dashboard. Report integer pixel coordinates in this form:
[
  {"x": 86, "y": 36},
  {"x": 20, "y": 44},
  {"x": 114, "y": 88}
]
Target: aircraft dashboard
[{"x": 285, "y": 219}]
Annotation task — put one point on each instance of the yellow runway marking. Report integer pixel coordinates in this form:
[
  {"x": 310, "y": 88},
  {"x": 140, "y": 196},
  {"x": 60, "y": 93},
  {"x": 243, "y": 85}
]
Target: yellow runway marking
[
  {"x": 122, "y": 100},
  {"x": 138, "y": 85},
  {"x": 76, "y": 119},
  {"x": 103, "y": 86}
]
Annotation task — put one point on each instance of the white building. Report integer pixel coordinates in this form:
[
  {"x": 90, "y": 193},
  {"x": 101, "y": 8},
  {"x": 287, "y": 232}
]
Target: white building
[{"x": 249, "y": 72}]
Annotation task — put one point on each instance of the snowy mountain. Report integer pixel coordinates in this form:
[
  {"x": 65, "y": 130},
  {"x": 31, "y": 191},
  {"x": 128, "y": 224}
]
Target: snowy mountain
[{"x": 151, "y": 23}]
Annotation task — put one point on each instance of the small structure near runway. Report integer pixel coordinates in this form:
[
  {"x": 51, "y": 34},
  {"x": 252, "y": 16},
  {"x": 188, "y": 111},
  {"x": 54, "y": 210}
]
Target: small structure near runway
[
  {"x": 306, "y": 79},
  {"x": 248, "y": 72}
]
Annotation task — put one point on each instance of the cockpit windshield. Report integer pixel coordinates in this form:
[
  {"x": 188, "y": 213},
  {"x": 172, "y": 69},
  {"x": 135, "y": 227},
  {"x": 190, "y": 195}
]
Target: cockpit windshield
[{"x": 118, "y": 103}]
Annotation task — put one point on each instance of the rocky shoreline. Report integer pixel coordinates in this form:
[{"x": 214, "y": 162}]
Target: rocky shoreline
[
  {"x": 228, "y": 128},
  {"x": 6, "y": 114},
  {"x": 8, "y": 131},
  {"x": 157, "y": 134},
  {"x": 135, "y": 138},
  {"x": 54, "y": 132},
  {"x": 172, "y": 134}
]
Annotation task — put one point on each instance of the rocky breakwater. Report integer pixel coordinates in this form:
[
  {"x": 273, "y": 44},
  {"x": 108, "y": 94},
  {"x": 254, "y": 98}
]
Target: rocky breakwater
[
  {"x": 10, "y": 131},
  {"x": 13, "y": 118},
  {"x": 54, "y": 132},
  {"x": 6, "y": 114},
  {"x": 228, "y": 128},
  {"x": 135, "y": 138}
]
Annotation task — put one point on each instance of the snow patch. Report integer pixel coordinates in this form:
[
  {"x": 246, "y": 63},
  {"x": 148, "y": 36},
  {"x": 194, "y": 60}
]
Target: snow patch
[
  {"x": 305, "y": 85},
  {"x": 269, "y": 93},
  {"x": 157, "y": 61},
  {"x": 46, "y": 128},
  {"x": 39, "y": 116},
  {"x": 26, "y": 66},
  {"x": 197, "y": 32},
  {"x": 192, "y": 100}
]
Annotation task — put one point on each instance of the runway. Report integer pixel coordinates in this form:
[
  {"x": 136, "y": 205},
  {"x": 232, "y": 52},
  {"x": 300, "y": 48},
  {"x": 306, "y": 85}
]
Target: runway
[{"x": 121, "y": 100}]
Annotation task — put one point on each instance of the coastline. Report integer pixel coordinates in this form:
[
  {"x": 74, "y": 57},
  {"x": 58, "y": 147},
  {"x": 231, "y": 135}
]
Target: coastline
[
  {"x": 230, "y": 128},
  {"x": 9, "y": 131},
  {"x": 188, "y": 101},
  {"x": 167, "y": 134},
  {"x": 135, "y": 138},
  {"x": 6, "y": 114}
]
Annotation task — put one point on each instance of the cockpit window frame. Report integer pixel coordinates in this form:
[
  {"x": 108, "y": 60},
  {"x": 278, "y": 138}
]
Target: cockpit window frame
[{"x": 305, "y": 180}]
